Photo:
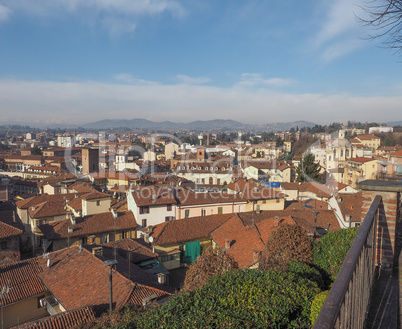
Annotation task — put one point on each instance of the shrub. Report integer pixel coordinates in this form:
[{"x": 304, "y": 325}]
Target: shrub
[
  {"x": 239, "y": 299},
  {"x": 210, "y": 263},
  {"x": 287, "y": 243},
  {"x": 317, "y": 304},
  {"x": 330, "y": 251}
]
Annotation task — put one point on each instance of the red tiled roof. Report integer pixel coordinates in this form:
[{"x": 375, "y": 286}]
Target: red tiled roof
[
  {"x": 361, "y": 159},
  {"x": 85, "y": 226},
  {"x": 95, "y": 195},
  {"x": 152, "y": 195},
  {"x": 47, "y": 209},
  {"x": 83, "y": 187},
  {"x": 303, "y": 217},
  {"x": 243, "y": 240},
  {"x": 78, "y": 278},
  {"x": 76, "y": 204},
  {"x": 140, "y": 292},
  {"x": 189, "y": 198},
  {"x": 138, "y": 248},
  {"x": 319, "y": 189},
  {"x": 23, "y": 279},
  {"x": 351, "y": 204},
  {"x": 367, "y": 137},
  {"x": 25, "y": 204},
  {"x": 8, "y": 231},
  {"x": 69, "y": 319},
  {"x": 397, "y": 154},
  {"x": 188, "y": 229}
]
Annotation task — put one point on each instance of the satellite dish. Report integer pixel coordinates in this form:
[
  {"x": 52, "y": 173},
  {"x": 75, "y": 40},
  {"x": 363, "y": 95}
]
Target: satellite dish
[{"x": 151, "y": 239}]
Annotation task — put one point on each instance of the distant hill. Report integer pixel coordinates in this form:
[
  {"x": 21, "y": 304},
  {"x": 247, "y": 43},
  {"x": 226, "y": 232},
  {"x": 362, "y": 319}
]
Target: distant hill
[
  {"x": 195, "y": 125},
  {"x": 394, "y": 123}
]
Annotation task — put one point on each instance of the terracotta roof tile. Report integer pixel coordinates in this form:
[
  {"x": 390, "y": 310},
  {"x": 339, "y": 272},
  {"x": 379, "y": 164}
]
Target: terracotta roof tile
[
  {"x": 305, "y": 218},
  {"x": 69, "y": 319},
  {"x": 23, "y": 279},
  {"x": 88, "y": 225},
  {"x": 243, "y": 240},
  {"x": 189, "y": 198},
  {"x": 351, "y": 204},
  {"x": 95, "y": 195},
  {"x": 360, "y": 159},
  {"x": 25, "y": 204},
  {"x": 138, "y": 248},
  {"x": 153, "y": 195},
  {"x": 188, "y": 229},
  {"x": 78, "y": 278}
]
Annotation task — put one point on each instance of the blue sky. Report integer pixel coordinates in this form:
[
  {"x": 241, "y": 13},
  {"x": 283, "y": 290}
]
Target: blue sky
[{"x": 255, "y": 61}]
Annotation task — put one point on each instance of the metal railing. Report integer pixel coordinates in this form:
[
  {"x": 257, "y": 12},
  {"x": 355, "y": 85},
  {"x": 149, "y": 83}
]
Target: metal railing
[{"x": 348, "y": 300}]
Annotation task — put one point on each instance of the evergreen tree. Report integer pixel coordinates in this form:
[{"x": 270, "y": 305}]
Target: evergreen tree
[{"x": 308, "y": 170}]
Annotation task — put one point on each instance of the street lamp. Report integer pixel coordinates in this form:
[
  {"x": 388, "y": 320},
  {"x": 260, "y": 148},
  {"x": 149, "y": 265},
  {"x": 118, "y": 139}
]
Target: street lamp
[{"x": 112, "y": 264}]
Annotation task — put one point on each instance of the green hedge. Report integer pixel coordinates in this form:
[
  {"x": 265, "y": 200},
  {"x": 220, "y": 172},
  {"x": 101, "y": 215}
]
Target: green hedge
[
  {"x": 317, "y": 304},
  {"x": 330, "y": 251},
  {"x": 241, "y": 299}
]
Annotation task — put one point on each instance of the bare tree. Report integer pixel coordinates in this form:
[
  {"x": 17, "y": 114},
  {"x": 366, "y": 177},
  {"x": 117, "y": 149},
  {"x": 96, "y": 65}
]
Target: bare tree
[
  {"x": 385, "y": 17},
  {"x": 210, "y": 263},
  {"x": 287, "y": 243}
]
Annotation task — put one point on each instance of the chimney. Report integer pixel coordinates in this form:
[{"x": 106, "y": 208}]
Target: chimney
[
  {"x": 276, "y": 221},
  {"x": 14, "y": 219},
  {"x": 227, "y": 244}
]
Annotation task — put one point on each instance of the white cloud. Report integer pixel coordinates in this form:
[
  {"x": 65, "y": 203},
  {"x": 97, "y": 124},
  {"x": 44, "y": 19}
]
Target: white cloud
[
  {"x": 339, "y": 32},
  {"x": 255, "y": 79},
  {"x": 4, "y": 13},
  {"x": 82, "y": 102},
  {"x": 185, "y": 79},
  {"x": 117, "y": 16},
  {"x": 130, "y": 79}
]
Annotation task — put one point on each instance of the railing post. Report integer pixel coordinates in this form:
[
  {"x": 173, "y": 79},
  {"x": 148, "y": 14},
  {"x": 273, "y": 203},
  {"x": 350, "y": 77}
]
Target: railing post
[{"x": 389, "y": 218}]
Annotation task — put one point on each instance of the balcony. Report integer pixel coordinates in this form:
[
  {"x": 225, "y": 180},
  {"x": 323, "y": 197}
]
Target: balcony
[{"x": 366, "y": 291}]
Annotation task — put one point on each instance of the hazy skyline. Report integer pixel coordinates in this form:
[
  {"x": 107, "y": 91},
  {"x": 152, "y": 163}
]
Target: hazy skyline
[{"x": 76, "y": 61}]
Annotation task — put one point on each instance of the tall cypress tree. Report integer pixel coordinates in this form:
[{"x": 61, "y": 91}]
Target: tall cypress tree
[{"x": 308, "y": 170}]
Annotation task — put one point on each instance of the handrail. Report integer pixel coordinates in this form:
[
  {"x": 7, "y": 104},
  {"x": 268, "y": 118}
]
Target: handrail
[{"x": 365, "y": 239}]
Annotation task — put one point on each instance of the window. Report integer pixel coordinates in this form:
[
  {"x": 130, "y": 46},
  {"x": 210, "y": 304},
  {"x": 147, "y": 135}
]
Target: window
[
  {"x": 169, "y": 207},
  {"x": 277, "y": 200},
  {"x": 3, "y": 244},
  {"x": 91, "y": 239},
  {"x": 187, "y": 213},
  {"x": 98, "y": 203},
  {"x": 144, "y": 210},
  {"x": 167, "y": 258},
  {"x": 105, "y": 238},
  {"x": 203, "y": 212},
  {"x": 168, "y": 218},
  {"x": 144, "y": 222},
  {"x": 220, "y": 210}
]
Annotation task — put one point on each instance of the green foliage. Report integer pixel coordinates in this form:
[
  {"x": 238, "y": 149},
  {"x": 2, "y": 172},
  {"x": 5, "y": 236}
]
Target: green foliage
[
  {"x": 240, "y": 299},
  {"x": 330, "y": 251},
  {"x": 36, "y": 151},
  {"x": 317, "y": 304},
  {"x": 307, "y": 271},
  {"x": 308, "y": 170}
]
